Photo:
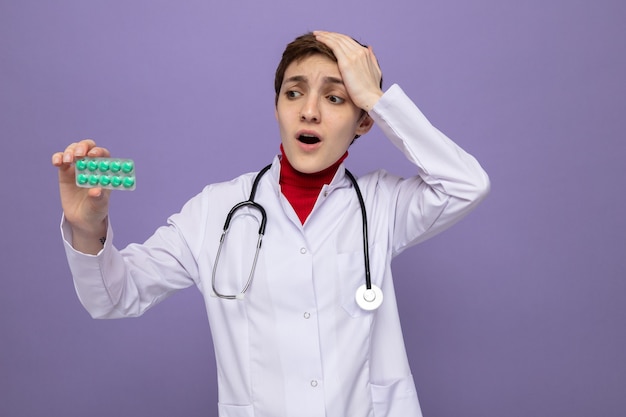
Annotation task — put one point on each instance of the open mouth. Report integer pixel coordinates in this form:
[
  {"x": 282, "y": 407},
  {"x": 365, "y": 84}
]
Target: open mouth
[{"x": 308, "y": 139}]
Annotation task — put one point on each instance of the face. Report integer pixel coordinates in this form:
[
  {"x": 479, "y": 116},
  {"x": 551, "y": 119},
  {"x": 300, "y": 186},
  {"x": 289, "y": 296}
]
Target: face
[{"x": 316, "y": 118}]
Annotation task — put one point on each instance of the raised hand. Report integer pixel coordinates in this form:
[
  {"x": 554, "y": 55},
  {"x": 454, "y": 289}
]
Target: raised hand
[
  {"x": 85, "y": 209},
  {"x": 358, "y": 67}
]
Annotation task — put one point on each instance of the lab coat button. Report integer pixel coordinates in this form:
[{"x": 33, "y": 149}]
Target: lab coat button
[
  {"x": 314, "y": 383},
  {"x": 303, "y": 250},
  {"x": 307, "y": 315}
]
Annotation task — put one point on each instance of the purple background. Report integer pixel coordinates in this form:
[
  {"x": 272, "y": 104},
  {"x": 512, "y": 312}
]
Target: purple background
[{"x": 517, "y": 311}]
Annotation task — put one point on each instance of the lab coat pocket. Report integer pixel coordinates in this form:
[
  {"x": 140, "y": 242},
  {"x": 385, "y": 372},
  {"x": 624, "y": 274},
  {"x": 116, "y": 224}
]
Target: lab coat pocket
[
  {"x": 227, "y": 410},
  {"x": 396, "y": 399}
]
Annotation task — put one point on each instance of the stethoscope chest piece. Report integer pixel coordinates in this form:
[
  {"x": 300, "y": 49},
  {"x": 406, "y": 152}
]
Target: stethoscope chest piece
[{"x": 369, "y": 299}]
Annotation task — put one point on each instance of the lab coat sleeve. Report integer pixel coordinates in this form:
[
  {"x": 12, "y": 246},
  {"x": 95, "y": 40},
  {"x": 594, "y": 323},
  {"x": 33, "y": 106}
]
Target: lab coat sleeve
[
  {"x": 125, "y": 283},
  {"x": 449, "y": 181}
]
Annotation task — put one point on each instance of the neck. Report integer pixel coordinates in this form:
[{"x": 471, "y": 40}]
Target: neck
[{"x": 302, "y": 190}]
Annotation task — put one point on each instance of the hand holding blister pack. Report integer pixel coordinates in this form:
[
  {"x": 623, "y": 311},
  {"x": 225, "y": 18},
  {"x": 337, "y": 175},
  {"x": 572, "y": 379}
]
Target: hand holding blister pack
[{"x": 108, "y": 173}]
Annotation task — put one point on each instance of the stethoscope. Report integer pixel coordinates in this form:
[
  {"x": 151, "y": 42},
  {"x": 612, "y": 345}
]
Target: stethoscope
[{"x": 368, "y": 296}]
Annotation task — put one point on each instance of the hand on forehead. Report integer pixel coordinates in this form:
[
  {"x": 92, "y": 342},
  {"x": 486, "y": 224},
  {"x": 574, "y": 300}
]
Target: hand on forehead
[{"x": 358, "y": 67}]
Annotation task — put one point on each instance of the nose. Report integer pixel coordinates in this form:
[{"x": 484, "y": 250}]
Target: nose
[{"x": 310, "y": 111}]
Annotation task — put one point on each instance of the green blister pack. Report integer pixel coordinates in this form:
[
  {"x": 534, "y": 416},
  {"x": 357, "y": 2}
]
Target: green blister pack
[{"x": 109, "y": 173}]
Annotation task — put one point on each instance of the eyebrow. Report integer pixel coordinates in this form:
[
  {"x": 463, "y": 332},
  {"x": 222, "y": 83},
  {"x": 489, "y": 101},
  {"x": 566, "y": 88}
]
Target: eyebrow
[{"x": 302, "y": 78}]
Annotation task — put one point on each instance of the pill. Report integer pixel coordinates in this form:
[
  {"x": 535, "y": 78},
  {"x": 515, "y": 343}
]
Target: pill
[
  {"x": 103, "y": 166},
  {"x": 81, "y": 164},
  {"x": 105, "y": 180}
]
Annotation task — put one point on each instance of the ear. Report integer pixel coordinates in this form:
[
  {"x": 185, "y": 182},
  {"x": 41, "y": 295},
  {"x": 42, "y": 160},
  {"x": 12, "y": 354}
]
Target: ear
[
  {"x": 276, "y": 112},
  {"x": 364, "y": 124}
]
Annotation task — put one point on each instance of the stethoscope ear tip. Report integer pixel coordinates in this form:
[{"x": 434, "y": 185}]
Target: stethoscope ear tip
[{"x": 369, "y": 299}]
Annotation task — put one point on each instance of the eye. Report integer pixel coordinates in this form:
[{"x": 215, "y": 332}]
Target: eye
[
  {"x": 293, "y": 94},
  {"x": 335, "y": 99}
]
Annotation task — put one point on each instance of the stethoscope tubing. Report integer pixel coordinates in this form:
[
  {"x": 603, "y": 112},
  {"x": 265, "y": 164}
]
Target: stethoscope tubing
[
  {"x": 364, "y": 292},
  {"x": 249, "y": 202},
  {"x": 366, "y": 251}
]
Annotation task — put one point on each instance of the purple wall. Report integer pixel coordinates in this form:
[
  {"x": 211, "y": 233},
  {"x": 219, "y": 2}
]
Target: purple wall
[{"x": 517, "y": 311}]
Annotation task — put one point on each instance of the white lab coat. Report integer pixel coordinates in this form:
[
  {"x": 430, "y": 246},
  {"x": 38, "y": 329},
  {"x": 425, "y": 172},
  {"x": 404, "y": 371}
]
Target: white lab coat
[{"x": 298, "y": 344}]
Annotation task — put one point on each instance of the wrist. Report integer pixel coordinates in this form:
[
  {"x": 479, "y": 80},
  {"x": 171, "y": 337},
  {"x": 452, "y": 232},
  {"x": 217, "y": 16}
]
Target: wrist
[
  {"x": 89, "y": 240},
  {"x": 370, "y": 101},
  {"x": 89, "y": 230}
]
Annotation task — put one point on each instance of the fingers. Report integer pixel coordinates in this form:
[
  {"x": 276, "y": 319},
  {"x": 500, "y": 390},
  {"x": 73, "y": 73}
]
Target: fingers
[
  {"x": 347, "y": 49},
  {"x": 343, "y": 44},
  {"x": 95, "y": 192},
  {"x": 86, "y": 147}
]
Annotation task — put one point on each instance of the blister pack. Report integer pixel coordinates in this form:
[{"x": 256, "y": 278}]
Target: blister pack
[{"x": 109, "y": 173}]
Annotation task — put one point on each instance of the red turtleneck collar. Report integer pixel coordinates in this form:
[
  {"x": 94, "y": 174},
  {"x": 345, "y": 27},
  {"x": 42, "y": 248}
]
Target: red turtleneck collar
[{"x": 302, "y": 190}]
